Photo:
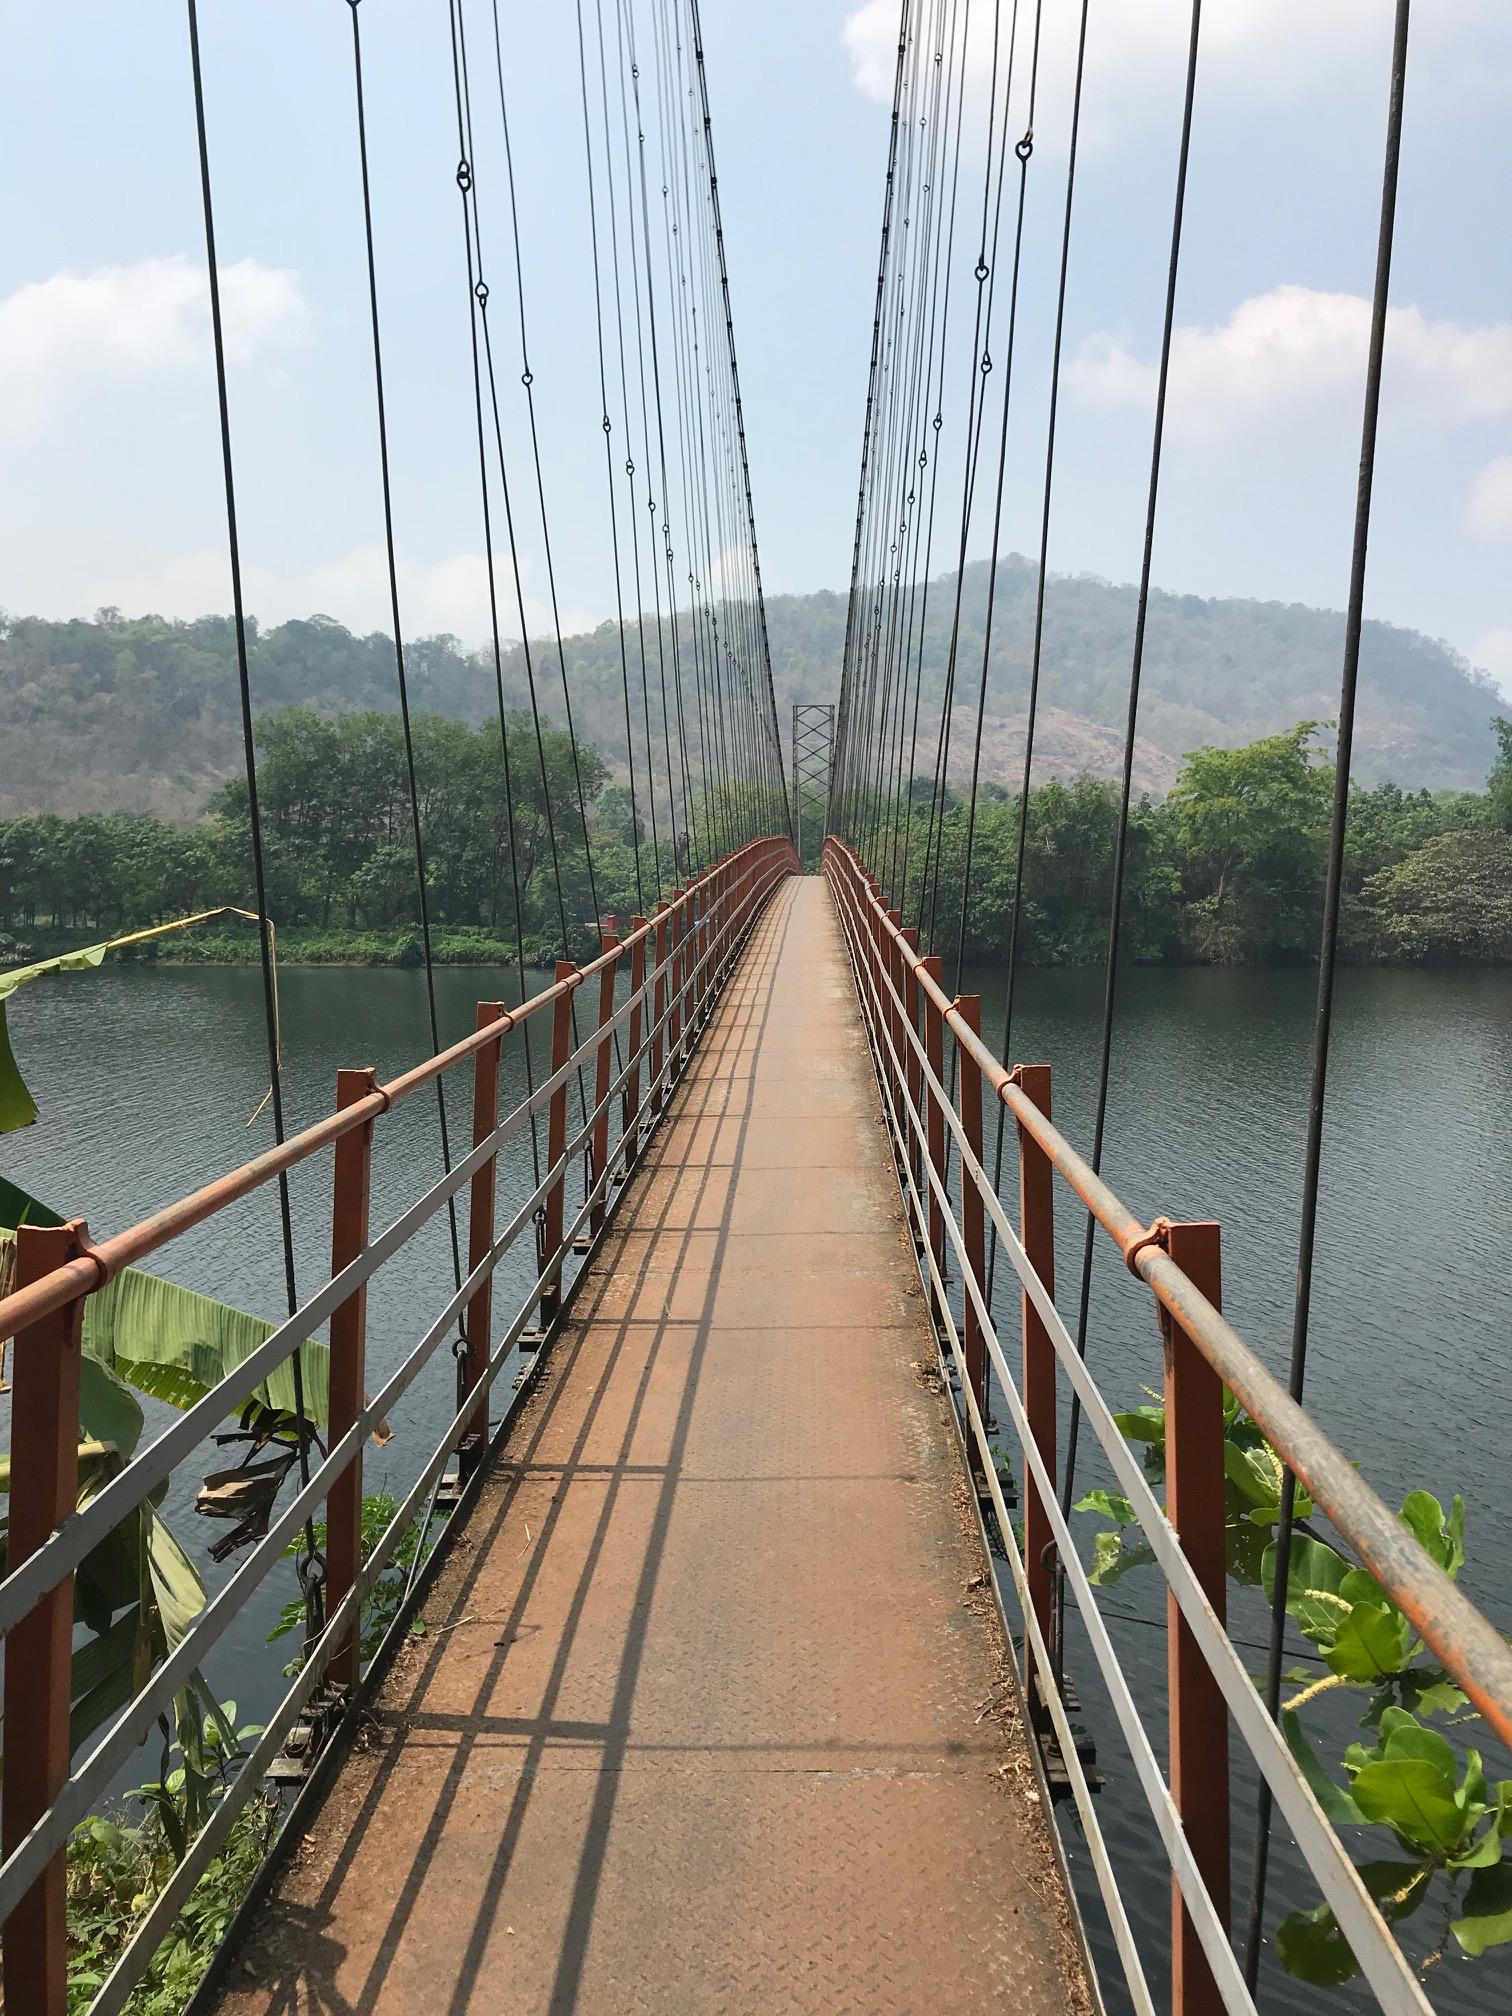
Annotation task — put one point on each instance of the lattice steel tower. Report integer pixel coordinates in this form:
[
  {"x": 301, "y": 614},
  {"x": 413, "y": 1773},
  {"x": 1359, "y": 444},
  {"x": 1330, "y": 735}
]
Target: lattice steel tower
[{"x": 813, "y": 746}]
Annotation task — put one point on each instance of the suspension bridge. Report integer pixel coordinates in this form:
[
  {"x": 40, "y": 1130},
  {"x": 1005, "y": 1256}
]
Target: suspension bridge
[{"x": 730, "y": 1669}]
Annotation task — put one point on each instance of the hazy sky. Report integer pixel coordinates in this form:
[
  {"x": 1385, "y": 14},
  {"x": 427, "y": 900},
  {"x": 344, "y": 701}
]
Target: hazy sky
[{"x": 107, "y": 417}]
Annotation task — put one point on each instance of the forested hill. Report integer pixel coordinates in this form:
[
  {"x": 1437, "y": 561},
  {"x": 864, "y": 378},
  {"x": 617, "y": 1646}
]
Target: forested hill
[{"x": 141, "y": 713}]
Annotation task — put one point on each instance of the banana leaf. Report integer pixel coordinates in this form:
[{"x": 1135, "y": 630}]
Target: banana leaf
[
  {"x": 137, "y": 1593},
  {"x": 168, "y": 1341},
  {"x": 17, "y": 1106}
]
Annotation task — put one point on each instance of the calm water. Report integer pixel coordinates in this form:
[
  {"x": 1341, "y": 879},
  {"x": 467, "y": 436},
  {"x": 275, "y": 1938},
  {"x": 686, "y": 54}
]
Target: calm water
[{"x": 146, "y": 1077}]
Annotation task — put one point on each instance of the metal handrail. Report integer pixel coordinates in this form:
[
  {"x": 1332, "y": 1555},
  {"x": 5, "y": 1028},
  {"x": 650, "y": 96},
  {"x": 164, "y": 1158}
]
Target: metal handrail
[
  {"x": 1472, "y": 1650},
  {"x": 105, "y": 1259},
  {"x": 718, "y": 912},
  {"x": 881, "y": 952},
  {"x": 83, "y": 1531}
]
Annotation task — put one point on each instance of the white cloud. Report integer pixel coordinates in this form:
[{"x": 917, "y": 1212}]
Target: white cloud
[
  {"x": 450, "y": 594},
  {"x": 1296, "y": 346},
  {"x": 1489, "y": 513},
  {"x": 1493, "y": 653},
  {"x": 153, "y": 316},
  {"x": 1274, "y": 48}
]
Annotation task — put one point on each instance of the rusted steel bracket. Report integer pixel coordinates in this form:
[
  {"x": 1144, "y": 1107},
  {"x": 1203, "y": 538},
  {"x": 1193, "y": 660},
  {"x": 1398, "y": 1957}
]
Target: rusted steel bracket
[
  {"x": 1156, "y": 1233},
  {"x": 308, "y": 1737}
]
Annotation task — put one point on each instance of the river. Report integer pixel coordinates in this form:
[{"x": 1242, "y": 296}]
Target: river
[{"x": 146, "y": 1077}]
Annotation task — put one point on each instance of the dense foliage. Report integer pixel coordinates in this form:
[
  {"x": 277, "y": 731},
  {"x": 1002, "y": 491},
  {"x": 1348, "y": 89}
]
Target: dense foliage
[
  {"x": 140, "y": 713},
  {"x": 1406, "y": 1788},
  {"x": 1226, "y": 869},
  {"x": 339, "y": 843}
]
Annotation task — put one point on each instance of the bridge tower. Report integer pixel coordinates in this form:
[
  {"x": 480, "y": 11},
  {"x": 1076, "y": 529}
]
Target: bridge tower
[{"x": 813, "y": 745}]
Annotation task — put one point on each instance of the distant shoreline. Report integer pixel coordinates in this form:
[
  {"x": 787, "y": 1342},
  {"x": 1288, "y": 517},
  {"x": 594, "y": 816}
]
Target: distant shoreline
[{"x": 472, "y": 947}]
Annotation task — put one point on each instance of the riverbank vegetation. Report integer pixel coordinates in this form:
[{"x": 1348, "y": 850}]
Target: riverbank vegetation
[{"x": 1226, "y": 869}]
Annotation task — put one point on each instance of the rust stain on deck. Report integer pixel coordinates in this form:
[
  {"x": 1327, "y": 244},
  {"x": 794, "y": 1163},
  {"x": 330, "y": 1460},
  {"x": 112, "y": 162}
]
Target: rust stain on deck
[{"x": 714, "y": 1714}]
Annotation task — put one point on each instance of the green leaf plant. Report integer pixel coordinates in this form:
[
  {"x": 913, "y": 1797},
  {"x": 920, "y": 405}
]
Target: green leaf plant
[{"x": 1446, "y": 1825}]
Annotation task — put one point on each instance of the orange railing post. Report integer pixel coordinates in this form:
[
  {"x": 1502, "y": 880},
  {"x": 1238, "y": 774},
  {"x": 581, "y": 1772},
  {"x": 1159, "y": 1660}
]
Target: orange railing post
[
  {"x": 630, "y": 1122},
  {"x": 676, "y": 923},
  {"x": 973, "y": 1221},
  {"x": 556, "y": 1144},
  {"x": 910, "y": 955},
  {"x": 934, "y": 1050},
  {"x": 1195, "y": 1506},
  {"x": 693, "y": 977},
  {"x": 658, "y": 1006},
  {"x": 1037, "y": 1230},
  {"x": 39, "y": 1650},
  {"x": 487, "y": 1063},
  {"x": 892, "y": 953},
  {"x": 604, "y": 1063},
  {"x": 351, "y": 1190}
]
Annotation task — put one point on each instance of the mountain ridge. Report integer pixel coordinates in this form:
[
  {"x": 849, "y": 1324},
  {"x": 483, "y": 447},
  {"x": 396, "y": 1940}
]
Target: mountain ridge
[{"x": 141, "y": 713}]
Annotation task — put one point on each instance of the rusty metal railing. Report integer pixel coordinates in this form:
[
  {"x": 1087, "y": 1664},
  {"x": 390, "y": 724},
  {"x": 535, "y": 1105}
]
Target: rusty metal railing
[
  {"x": 678, "y": 961},
  {"x": 908, "y": 1014}
]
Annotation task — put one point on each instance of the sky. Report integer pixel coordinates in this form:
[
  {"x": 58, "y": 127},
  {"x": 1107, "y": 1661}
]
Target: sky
[{"x": 108, "y": 434}]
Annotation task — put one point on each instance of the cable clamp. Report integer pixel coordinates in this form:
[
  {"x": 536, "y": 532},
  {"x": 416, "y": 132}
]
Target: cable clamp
[
  {"x": 86, "y": 1249},
  {"x": 1156, "y": 1233}
]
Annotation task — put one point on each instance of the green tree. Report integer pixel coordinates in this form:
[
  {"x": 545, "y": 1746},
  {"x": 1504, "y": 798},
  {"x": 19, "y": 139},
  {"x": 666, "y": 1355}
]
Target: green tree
[{"x": 1248, "y": 827}]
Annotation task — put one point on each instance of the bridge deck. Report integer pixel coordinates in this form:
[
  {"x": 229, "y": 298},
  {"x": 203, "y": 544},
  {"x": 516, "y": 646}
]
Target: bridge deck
[{"x": 713, "y": 1713}]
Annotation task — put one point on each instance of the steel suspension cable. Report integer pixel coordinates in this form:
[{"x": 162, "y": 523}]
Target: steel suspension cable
[
  {"x": 935, "y": 427},
  {"x": 690, "y": 827},
  {"x": 985, "y": 272},
  {"x": 892, "y": 517},
  {"x": 527, "y": 380},
  {"x": 477, "y": 302},
  {"x": 842, "y": 758},
  {"x": 901, "y": 638},
  {"x": 608, "y": 430},
  {"x": 1120, "y": 857},
  {"x": 1023, "y": 149},
  {"x": 640, "y": 355},
  {"x": 311, "y": 1564},
  {"x": 391, "y": 557},
  {"x": 1036, "y": 656},
  {"x": 1329, "y": 945}
]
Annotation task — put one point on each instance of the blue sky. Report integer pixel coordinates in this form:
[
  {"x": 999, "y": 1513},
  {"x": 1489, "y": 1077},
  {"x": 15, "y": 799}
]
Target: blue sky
[{"x": 107, "y": 418}]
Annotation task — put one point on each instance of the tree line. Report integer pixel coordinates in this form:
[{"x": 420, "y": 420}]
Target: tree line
[{"x": 1227, "y": 868}]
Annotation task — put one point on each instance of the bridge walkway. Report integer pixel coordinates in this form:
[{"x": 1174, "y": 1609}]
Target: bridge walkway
[{"x": 712, "y": 1713}]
